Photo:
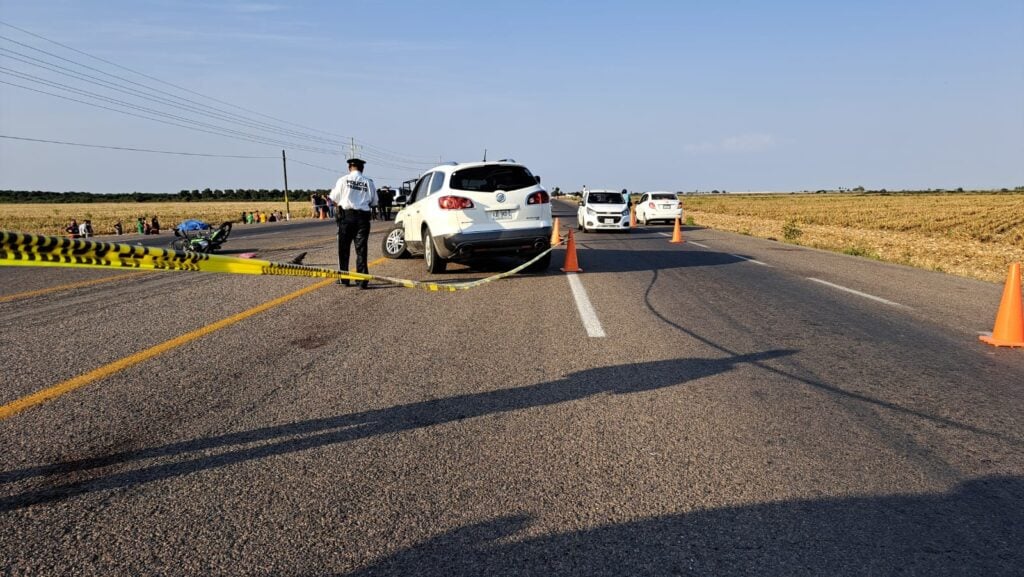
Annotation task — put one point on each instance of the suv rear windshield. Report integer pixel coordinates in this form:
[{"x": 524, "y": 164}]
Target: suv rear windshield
[
  {"x": 605, "y": 198},
  {"x": 663, "y": 197},
  {"x": 492, "y": 178}
]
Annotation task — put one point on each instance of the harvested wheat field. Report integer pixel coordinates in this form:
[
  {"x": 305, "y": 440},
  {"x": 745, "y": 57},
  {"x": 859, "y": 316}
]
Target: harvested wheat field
[
  {"x": 974, "y": 235},
  {"x": 44, "y": 218}
]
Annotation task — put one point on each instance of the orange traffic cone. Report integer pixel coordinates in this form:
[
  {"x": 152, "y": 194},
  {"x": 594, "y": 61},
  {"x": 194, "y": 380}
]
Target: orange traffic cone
[
  {"x": 570, "y": 255},
  {"x": 632, "y": 216},
  {"x": 555, "y": 238},
  {"x": 677, "y": 233},
  {"x": 1009, "y": 329}
]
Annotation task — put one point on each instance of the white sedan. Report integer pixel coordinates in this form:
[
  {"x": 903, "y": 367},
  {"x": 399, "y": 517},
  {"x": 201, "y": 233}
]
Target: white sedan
[{"x": 663, "y": 206}]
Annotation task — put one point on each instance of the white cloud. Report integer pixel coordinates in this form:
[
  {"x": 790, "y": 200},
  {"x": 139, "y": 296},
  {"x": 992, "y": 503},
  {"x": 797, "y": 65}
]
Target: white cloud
[{"x": 751, "y": 142}]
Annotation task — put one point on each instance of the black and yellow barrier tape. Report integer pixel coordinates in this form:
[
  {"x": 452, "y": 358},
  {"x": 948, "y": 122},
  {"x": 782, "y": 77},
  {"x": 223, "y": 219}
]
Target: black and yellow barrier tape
[{"x": 21, "y": 249}]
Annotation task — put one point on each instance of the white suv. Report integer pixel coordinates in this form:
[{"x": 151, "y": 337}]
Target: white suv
[
  {"x": 602, "y": 210},
  {"x": 461, "y": 211}
]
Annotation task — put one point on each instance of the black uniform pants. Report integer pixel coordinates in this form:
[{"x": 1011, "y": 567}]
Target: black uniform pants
[{"x": 353, "y": 225}]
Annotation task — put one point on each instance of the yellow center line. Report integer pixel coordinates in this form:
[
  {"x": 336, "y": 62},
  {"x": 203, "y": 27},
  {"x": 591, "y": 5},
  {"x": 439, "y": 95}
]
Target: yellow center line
[
  {"x": 15, "y": 407},
  {"x": 70, "y": 286}
]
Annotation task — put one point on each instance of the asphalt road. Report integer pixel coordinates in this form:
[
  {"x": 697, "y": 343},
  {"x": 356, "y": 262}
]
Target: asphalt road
[{"x": 740, "y": 416}]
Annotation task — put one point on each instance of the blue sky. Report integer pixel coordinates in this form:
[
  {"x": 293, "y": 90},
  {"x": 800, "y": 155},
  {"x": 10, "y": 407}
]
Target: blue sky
[{"x": 645, "y": 95}]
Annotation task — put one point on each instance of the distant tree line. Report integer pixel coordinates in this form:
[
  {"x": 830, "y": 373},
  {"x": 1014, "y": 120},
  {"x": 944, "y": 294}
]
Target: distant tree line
[{"x": 205, "y": 195}]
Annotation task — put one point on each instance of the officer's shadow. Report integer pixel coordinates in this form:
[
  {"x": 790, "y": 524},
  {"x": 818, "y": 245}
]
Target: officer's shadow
[{"x": 311, "y": 434}]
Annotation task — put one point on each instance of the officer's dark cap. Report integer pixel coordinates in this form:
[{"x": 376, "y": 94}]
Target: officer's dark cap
[{"x": 356, "y": 163}]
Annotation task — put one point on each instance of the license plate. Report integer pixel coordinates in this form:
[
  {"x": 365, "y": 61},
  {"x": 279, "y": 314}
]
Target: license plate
[
  {"x": 609, "y": 219},
  {"x": 666, "y": 206},
  {"x": 501, "y": 214}
]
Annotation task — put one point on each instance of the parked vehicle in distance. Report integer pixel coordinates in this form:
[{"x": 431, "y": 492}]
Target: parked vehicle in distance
[
  {"x": 660, "y": 205},
  {"x": 457, "y": 212},
  {"x": 402, "y": 194},
  {"x": 602, "y": 210}
]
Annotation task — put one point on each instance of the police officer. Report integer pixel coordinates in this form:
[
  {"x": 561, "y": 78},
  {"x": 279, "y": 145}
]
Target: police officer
[{"x": 356, "y": 197}]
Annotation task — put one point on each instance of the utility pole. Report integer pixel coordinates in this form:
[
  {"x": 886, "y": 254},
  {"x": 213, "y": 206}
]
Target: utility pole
[
  {"x": 287, "y": 210},
  {"x": 352, "y": 148}
]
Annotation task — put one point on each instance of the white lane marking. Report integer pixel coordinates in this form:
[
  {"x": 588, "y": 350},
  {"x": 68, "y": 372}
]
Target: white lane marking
[
  {"x": 695, "y": 243},
  {"x": 587, "y": 314},
  {"x": 856, "y": 292},
  {"x": 755, "y": 261}
]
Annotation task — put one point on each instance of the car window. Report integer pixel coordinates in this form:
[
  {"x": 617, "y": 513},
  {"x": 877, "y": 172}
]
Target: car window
[
  {"x": 643, "y": 198},
  {"x": 664, "y": 197},
  {"x": 492, "y": 178},
  {"x": 421, "y": 187},
  {"x": 605, "y": 198},
  {"x": 437, "y": 182}
]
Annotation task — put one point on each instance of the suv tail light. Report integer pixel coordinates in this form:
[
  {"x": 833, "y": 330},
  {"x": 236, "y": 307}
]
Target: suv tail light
[
  {"x": 539, "y": 197},
  {"x": 650, "y": 204},
  {"x": 454, "y": 202}
]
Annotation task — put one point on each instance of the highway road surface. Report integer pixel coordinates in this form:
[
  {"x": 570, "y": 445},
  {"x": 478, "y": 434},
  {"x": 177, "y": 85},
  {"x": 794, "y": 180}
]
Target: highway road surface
[{"x": 726, "y": 406}]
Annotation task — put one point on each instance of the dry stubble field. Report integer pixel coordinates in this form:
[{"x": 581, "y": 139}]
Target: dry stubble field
[
  {"x": 975, "y": 235},
  {"x": 52, "y": 218}
]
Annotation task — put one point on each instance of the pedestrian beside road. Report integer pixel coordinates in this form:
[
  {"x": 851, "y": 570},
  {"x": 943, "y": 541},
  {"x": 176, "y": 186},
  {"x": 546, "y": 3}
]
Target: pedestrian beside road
[
  {"x": 85, "y": 229},
  {"x": 356, "y": 197},
  {"x": 141, "y": 227},
  {"x": 118, "y": 228},
  {"x": 72, "y": 228}
]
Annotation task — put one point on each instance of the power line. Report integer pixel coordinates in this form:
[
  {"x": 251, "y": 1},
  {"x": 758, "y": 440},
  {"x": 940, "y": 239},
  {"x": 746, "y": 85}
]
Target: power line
[
  {"x": 135, "y": 149},
  {"x": 334, "y": 170},
  {"x": 64, "y": 71},
  {"x": 211, "y": 128},
  {"x": 381, "y": 153},
  {"x": 219, "y": 131}
]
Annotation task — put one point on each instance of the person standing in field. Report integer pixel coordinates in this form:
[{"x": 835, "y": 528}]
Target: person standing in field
[
  {"x": 356, "y": 197},
  {"x": 72, "y": 228},
  {"x": 118, "y": 228}
]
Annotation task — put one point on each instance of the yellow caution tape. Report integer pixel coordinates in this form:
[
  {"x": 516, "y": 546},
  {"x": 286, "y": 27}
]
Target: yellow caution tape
[{"x": 20, "y": 249}]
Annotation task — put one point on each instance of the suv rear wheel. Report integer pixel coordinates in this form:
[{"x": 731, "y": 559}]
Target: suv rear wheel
[
  {"x": 541, "y": 265},
  {"x": 435, "y": 264}
]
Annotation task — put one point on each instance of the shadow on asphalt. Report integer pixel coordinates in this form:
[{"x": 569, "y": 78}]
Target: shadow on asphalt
[
  {"x": 305, "y": 435},
  {"x": 975, "y": 529},
  {"x": 833, "y": 390}
]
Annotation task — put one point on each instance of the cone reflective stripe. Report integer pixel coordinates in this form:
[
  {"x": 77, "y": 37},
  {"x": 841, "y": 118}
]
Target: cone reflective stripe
[
  {"x": 555, "y": 238},
  {"x": 677, "y": 233},
  {"x": 570, "y": 255},
  {"x": 1009, "y": 328}
]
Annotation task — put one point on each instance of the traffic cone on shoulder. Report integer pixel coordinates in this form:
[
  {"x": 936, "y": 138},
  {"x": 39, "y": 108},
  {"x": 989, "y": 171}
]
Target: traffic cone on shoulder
[
  {"x": 632, "y": 216},
  {"x": 1009, "y": 328},
  {"x": 677, "y": 233},
  {"x": 570, "y": 255},
  {"x": 555, "y": 238}
]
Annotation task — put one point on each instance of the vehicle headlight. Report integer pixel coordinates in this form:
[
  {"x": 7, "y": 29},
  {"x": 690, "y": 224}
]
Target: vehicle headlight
[
  {"x": 591, "y": 211},
  {"x": 625, "y": 212}
]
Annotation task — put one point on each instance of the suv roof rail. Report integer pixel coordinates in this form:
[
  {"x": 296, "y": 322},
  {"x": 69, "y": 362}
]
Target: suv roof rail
[{"x": 507, "y": 160}]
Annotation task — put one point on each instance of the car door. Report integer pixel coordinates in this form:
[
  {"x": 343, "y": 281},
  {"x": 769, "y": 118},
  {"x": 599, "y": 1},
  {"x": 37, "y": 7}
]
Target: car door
[
  {"x": 641, "y": 207},
  {"x": 414, "y": 210}
]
